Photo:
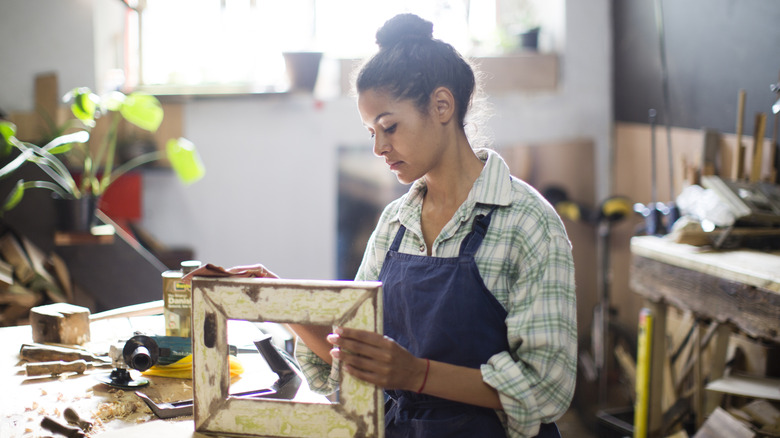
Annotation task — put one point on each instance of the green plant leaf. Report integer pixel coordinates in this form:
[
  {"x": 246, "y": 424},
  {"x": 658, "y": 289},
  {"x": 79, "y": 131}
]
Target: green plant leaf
[
  {"x": 15, "y": 196},
  {"x": 142, "y": 110},
  {"x": 64, "y": 143},
  {"x": 113, "y": 101},
  {"x": 84, "y": 105},
  {"x": 185, "y": 160},
  {"x": 7, "y": 131}
]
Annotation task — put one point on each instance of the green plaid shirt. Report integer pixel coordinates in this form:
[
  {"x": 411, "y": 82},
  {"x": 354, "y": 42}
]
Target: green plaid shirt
[{"x": 525, "y": 260}]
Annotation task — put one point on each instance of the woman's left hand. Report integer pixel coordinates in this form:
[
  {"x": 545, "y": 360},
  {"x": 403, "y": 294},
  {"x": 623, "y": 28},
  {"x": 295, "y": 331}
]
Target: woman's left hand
[{"x": 377, "y": 359}]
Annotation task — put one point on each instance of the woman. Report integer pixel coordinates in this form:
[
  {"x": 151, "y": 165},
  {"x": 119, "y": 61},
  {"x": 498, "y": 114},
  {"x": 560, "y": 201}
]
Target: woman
[{"x": 478, "y": 279}]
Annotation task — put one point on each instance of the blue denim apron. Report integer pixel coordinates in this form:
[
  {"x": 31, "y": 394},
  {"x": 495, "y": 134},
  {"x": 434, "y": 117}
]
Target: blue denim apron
[{"x": 439, "y": 308}]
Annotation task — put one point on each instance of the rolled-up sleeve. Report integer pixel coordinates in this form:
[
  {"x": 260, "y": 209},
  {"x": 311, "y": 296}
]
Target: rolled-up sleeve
[
  {"x": 322, "y": 378},
  {"x": 535, "y": 379}
]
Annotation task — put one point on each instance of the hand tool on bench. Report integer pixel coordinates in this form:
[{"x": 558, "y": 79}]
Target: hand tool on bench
[
  {"x": 56, "y": 367},
  {"x": 285, "y": 387},
  {"x": 55, "y": 426},
  {"x": 72, "y": 417},
  {"x": 142, "y": 352},
  {"x": 47, "y": 353}
]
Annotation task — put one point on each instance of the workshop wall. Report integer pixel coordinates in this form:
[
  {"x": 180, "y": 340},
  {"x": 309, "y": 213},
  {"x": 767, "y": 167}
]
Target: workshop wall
[{"x": 714, "y": 48}]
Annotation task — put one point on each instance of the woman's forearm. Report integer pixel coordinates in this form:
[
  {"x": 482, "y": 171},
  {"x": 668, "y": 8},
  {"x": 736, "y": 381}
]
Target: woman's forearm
[
  {"x": 314, "y": 338},
  {"x": 458, "y": 383}
]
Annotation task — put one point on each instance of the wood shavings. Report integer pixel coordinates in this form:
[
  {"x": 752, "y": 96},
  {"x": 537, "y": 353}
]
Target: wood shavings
[{"x": 124, "y": 407}]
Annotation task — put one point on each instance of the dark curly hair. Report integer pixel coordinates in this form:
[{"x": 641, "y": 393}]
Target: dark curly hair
[{"x": 411, "y": 64}]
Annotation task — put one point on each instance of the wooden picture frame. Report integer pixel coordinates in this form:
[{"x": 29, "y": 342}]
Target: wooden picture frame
[{"x": 359, "y": 411}]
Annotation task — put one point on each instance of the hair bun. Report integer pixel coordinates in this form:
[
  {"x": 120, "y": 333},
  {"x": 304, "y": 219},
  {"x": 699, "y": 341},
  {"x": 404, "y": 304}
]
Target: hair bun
[{"x": 403, "y": 27}]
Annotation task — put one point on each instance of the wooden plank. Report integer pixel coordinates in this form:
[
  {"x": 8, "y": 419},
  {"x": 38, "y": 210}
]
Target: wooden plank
[
  {"x": 748, "y": 386},
  {"x": 142, "y": 309},
  {"x": 710, "y": 152},
  {"x": 717, "y": 365},
  {"x": 698, "y": 377},
  {"x": 738, "y": 168},
  {"x": 758, "y": 144},
  {"x": 754, "y": 310}
]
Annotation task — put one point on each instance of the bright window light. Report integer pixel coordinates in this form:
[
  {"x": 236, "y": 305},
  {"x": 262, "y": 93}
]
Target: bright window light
[{"x": 240, "y": 42}]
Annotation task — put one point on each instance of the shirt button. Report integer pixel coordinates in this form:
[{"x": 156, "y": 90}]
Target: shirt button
[{"x": 422, "y": 247}]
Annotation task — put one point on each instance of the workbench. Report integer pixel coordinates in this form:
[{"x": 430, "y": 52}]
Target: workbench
[
  {"x": 733, "y": 291},
  {"x": 115, "y": 413}
]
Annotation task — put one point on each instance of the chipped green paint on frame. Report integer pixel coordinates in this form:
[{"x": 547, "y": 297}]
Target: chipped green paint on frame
[{"x": 360, "y": 411}]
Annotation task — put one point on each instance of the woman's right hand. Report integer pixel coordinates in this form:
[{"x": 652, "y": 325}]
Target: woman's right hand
[{"x": 256, "y": 270}]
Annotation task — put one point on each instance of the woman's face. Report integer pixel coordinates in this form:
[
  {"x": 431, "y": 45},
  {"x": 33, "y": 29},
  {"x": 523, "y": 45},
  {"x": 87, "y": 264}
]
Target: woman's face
[{"x": 408, "y": 140}]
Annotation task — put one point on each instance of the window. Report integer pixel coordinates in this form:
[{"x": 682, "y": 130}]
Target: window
[{"x": 238, "y": 44}]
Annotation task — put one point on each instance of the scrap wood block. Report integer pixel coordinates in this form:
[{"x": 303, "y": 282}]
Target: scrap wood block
[
  {"x": 60, "y": 323},
  {"x": 721, "y": 424}
]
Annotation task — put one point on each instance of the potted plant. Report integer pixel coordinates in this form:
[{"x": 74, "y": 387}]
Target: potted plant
[{"x": 78, "y": 188}]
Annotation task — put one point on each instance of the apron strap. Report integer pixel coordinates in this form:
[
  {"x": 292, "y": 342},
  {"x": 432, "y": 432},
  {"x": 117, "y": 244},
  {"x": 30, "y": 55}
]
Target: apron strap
[
  {"x": 473, "y": 240},
  {"x": 399, "y": 236}
]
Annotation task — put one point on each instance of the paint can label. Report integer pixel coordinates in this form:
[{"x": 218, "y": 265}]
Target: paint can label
[{"x": 177, "y": 301}]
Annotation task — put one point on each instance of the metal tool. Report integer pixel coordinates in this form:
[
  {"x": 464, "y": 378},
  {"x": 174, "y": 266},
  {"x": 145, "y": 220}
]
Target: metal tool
[
  {"x": 122, "y": 378},
  {"x": 285, "y": 387},
  {"x": 142, "y": 352},
  {"x": 655, "y": 211},
  {"x": 185, "y": 407},
  {"x": 55, "y": 426}
]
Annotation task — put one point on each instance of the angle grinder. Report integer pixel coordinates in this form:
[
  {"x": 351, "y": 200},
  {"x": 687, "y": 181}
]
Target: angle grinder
[{"x": 140, "y": 353}]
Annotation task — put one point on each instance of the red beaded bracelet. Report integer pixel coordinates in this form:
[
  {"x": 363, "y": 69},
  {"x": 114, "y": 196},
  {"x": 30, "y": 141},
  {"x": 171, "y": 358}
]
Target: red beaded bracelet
[{"x": 425, "y": 379}]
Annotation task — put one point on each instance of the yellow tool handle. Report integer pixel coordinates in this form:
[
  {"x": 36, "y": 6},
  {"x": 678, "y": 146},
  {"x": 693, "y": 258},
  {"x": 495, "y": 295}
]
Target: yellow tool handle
[{"x": 644, "y": 349}]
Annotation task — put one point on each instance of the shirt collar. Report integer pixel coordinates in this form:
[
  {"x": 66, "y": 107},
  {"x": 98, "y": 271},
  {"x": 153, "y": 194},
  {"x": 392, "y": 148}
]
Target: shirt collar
[{"x": 492, "y": 187}]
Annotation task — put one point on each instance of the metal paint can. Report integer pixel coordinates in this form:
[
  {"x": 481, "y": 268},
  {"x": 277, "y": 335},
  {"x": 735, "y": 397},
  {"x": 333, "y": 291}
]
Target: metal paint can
[{"x": 177, "y": 300}]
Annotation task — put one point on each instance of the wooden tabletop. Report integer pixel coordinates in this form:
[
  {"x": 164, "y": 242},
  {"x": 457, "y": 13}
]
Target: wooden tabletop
[
  {"x": 750, "y": 267},
  {"x": 741, "y": 287},
  {"x": 115, "y": 413}
]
